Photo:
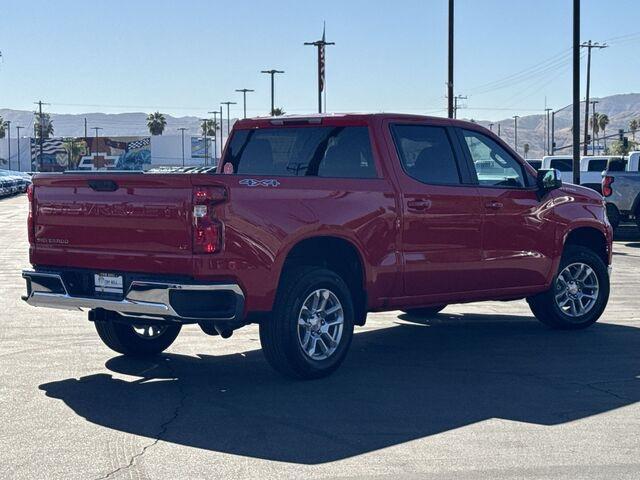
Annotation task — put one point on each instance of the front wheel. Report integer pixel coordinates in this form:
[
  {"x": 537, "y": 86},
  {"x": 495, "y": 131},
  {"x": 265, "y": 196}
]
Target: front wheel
[
  {"x": 309, "y": 333},
  {"x": 579, "y": 292},
  {"x": 139, "y": 340}
]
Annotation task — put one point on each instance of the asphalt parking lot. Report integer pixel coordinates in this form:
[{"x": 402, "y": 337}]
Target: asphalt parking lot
[{"x": 482, "y": 391}]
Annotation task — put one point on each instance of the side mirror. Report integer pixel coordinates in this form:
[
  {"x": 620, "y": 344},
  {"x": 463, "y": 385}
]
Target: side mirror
[{"x": 549, "y": 179}]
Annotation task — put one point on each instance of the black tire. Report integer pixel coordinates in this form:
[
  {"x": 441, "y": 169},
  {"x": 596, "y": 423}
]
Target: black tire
[
  {"x": 613, "y": 214},
  {"x": 545, "y": 307},
  {"x": 122, "y": 338},
  {"x": 427, "y": 312},
  {"x": 279, "y": 333}
]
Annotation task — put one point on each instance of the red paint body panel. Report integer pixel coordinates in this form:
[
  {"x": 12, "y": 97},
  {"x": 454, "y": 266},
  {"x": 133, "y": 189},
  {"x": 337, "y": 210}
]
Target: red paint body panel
[{"x": 453, "y": 251}]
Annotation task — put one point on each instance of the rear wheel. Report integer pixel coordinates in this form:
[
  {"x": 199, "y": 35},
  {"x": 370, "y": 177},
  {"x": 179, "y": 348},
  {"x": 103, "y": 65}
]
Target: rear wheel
[
  {"x": 139, "y": 340},
  {"x": 425, "y": 312},
  {"x": 309, "y": 333},
  {"x": 579, "y": 292}
]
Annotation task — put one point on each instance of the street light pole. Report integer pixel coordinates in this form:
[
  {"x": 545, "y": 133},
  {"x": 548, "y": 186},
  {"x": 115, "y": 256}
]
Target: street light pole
[
  {"x": 8, "y": 122},
  {"x": 228, "y": 117},
  {"x": 18, "y": 128},
  {"x": 182, "y": 129},
  {"x": 244, "y": 100},
  {"x": 97, "y": 129},
  {"x": 515, "y": 124},
  {"x": 215, "y": 129},
  {"x": 548, "y": 130},
  {"x": 40, "y": 103},
  {"x": 272, "y": 72}
]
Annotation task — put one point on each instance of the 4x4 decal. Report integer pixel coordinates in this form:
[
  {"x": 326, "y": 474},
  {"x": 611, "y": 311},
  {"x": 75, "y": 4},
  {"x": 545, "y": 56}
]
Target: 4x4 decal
[{"x": 252, "y": 182}]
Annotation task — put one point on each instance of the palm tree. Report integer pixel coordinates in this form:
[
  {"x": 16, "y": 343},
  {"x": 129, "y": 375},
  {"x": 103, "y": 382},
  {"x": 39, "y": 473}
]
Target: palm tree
[
  {"x": 208, "y": 127},
  {"x": 633, "y": 126},
  {"x": 595, "y": 126},
  {"x": 603, "y": 121},
  {"x": 47, "y": 125},
  {"x": 3, "y": 126},
  {"x": 156, "y": 123},
  {"x": 277, "y": 111},
  {"x": 526, "y": 149}
]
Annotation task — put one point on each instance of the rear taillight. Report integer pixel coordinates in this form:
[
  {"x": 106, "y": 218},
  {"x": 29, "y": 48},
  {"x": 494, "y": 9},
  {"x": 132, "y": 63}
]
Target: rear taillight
[
  {"x": 607, "y": 190},
  {"x": 30, "y": 223},
  {"x": 207, "y": 230}
]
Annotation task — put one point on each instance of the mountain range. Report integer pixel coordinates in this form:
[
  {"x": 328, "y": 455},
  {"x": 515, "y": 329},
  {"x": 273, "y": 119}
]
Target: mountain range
[{"x": 531, "y": 128}]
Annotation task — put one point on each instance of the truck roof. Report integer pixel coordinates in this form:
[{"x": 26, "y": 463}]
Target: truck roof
[{"x": 344, "y": 118}]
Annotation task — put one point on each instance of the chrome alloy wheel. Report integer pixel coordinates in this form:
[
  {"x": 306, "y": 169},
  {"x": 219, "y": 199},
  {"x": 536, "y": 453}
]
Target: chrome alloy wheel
[
  {"x": 577, "y": 289},
  {"x": 149, "y": 332},
  {"x": 320, "y": 324}
]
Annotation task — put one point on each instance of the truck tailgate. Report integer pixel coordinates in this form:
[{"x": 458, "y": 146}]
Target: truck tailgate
[{"x": 114, "y": 221}]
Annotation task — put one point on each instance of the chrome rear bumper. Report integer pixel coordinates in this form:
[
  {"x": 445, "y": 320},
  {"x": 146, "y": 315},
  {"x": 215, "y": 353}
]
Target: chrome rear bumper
[{"x": 142, "y": 299}]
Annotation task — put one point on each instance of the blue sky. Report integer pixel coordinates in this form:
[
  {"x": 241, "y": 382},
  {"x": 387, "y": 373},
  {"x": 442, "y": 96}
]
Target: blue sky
[{"x": 183, "y": 58}]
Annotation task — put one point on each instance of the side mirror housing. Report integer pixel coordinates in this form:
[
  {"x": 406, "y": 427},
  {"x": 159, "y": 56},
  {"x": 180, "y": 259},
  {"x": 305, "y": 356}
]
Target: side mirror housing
[{"x": 549, "y": 180}]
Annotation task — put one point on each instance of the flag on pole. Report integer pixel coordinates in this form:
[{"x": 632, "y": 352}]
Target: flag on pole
[{"x": 321, "y": 61}]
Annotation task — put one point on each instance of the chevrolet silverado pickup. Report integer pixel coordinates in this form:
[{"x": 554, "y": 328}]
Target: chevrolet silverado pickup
[{"x": 310, "y": 223}]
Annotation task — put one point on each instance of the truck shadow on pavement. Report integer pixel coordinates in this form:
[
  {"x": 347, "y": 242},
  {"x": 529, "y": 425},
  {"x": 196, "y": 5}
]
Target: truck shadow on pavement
[{"x": 398, "y": 384}]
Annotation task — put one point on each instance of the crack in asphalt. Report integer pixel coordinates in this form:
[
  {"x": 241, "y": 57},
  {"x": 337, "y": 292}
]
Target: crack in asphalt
[{"x": 163, "y": 428}]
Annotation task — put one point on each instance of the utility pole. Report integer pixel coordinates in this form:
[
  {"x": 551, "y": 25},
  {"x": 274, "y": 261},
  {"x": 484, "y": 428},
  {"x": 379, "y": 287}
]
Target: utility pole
[
  {"x": 206, "y": 140},
  {"x": 547, "y": 131},
  {"x": 499, "y": 130},
  {"x": 244, "y": 100},
  {"x": 272, "y": 72},
  {"x": 576, "y": 92},
  {"x": 40, "y": 103},
  {"x": 320, "y": 45},
  {"x": 215, "y": 129},
  {"x": 491, "y": 127},
  {"x": 593, "y": 125},
  {"x": 228, "y": 118},
  {"x": 455, "y": 106},
  {"x": 515, "y": 125},
  {"x": 450, "y": 106},
  {"x": 8, "y": 122},
  {"x": 553, "y": 133},
  {"x": 18, "y": 128},
  {"x": 85, "y": 128},
  {"x": 97, "y": 129},
  {"x": 182, "y": 129},
  {"x": 589, "y": 46}
]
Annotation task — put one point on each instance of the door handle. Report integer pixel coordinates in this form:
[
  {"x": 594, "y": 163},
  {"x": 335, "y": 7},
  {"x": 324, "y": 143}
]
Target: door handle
[
  {"x": 494, "y": 205},
  {"x": 418, "y": 205}
]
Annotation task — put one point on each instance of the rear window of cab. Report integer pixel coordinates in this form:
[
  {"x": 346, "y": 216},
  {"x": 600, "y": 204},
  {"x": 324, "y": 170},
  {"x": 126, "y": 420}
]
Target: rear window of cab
[{"x": 327, "y": 151}]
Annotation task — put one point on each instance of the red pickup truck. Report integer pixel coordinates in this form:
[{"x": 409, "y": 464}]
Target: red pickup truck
[{"x": 310, "y": 223}]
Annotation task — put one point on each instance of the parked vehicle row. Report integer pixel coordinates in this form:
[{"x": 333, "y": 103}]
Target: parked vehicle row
[
  {"x": 621, "y": 189},
  {"x": 310, "y": 223},
  {"x": 591, "y": 168},
  {"x": 12, "y": 182}
]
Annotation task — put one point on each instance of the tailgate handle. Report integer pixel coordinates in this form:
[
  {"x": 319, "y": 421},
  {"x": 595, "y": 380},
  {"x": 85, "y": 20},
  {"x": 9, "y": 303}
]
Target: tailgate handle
[{"x": 103, "y": 185}]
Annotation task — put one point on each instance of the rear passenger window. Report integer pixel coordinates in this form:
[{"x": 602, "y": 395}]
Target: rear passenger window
[
  {"x": 426, "y": 154},
  {"x": 343, "y": 152},
  {"x": 562, "y": 164}
]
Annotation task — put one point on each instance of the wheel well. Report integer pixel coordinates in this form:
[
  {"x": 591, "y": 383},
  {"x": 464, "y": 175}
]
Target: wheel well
[
  {"x": 338, "y": 255},
  {"x": 590, "y": 238}
]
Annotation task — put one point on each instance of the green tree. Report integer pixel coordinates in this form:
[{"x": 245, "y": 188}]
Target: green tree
[
  {"x": 47, "y": 125},
  {"x": 277, "y": 111},
  {"x": 603, "y": 121},
  {"x": 208, "y": 127},
  {"x": 526, "y": 147},
  {"x": 156, "y": 123},
  {"x": 75, "y": 149},
  {"x": 633, "y": 126},
  {"x": 617, "y": 147}
]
